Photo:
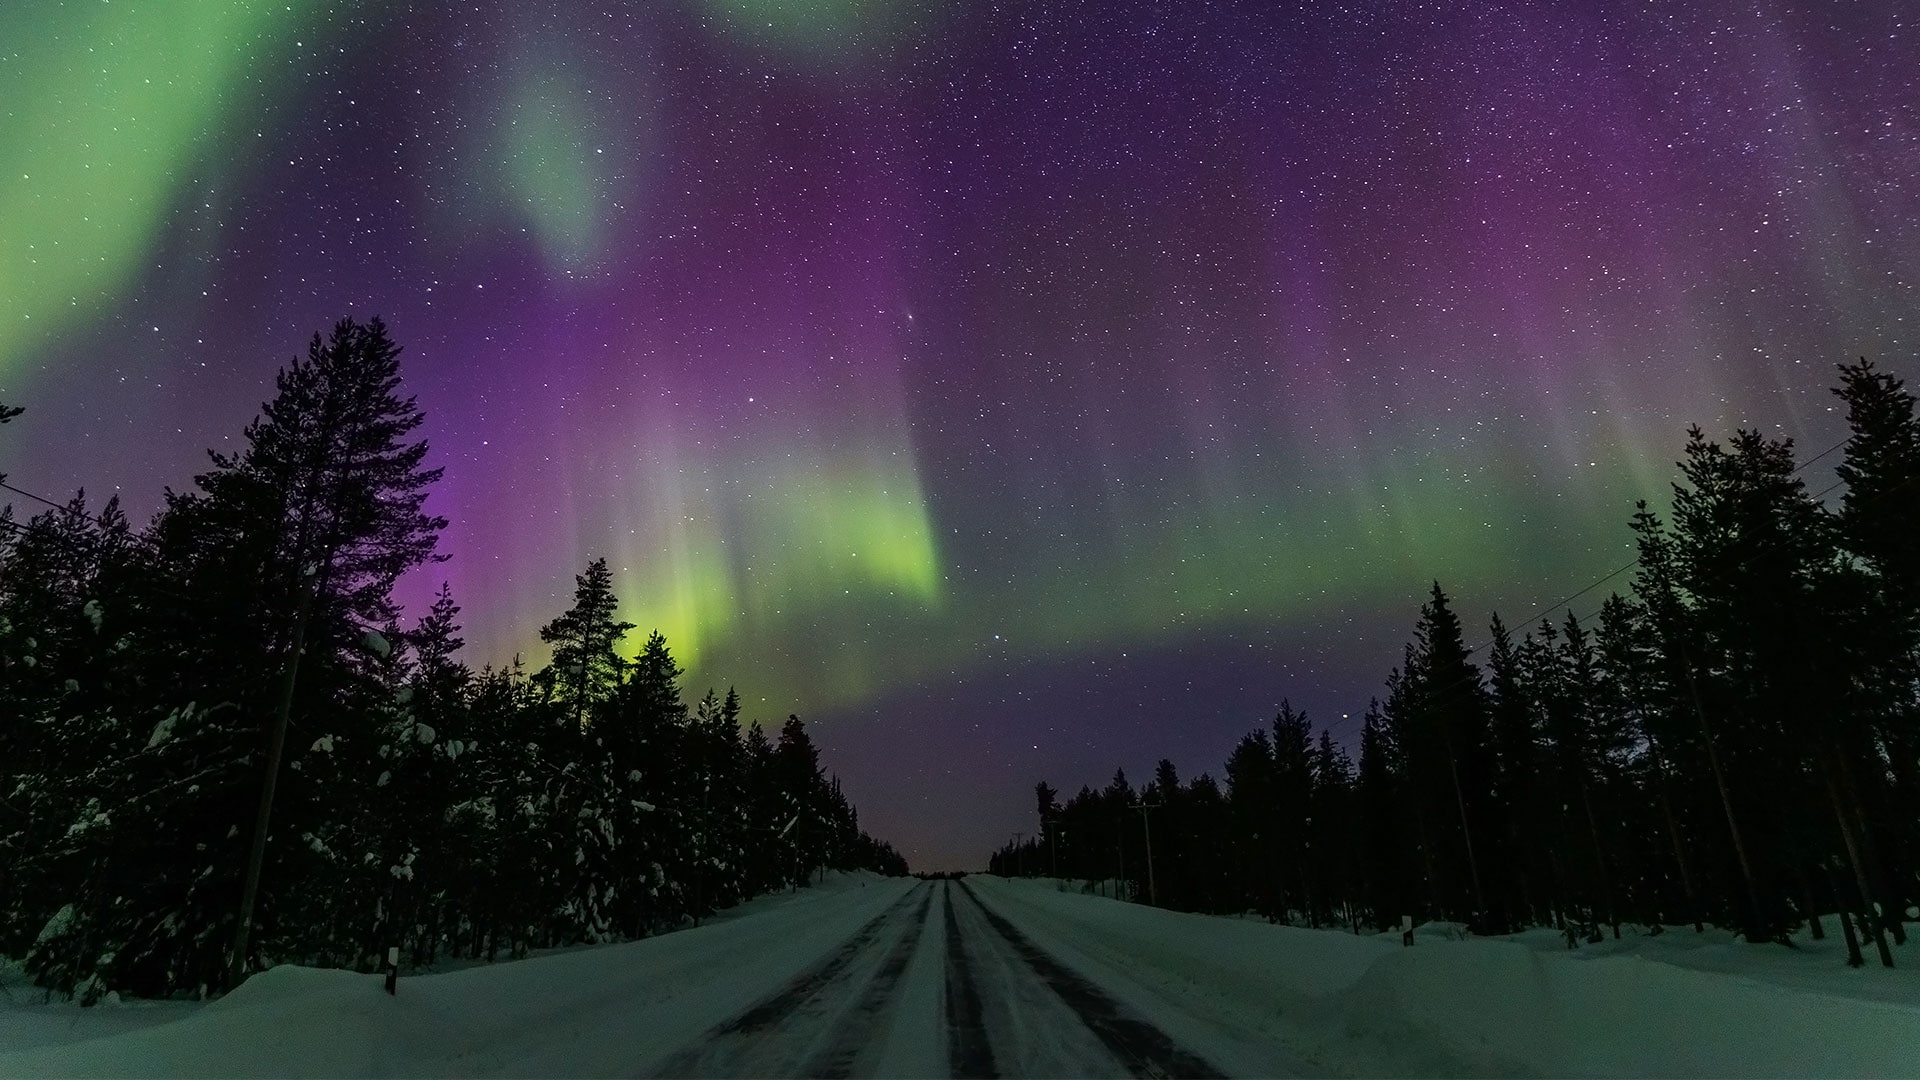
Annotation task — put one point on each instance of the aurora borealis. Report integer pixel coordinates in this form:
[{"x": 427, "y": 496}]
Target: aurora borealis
[{"x": 1010, "y": 389}]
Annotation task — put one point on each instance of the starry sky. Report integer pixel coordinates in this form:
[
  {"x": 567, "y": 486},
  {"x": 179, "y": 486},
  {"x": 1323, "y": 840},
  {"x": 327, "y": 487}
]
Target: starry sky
[{"x": 1014, "y": 390}]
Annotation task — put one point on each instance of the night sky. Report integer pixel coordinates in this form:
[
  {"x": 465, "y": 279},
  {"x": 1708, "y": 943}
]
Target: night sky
[{"x": 1012, "y": 390}]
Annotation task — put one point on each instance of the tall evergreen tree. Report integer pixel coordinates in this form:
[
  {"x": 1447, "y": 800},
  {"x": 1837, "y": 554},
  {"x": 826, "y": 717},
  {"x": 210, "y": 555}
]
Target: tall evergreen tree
[
  {"x": 586, "y": 666},
  {"x": 1292, "y": 802},
  {"x": 1379, "y": 789},
  {"x": 1331, "y": 833},
  {"x": 1449, "y": 756},
  {"x": 1514, "y": 802},
  {"x": 1253, "y": 818},
  {"x": 1879, "y": 520}
]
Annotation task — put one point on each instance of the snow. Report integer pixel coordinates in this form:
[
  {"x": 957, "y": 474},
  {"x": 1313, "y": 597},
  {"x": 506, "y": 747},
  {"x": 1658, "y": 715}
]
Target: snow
[
  {"x": 570, "y": 1013},
  {"x": 92, "y": 610},
  {"x": 163, "y": 730},
  {"x": 28, "y": 1021},
  {"x": 377, "y": 644},
  {"x": 91, "y": 817},
  {"x": 860, "y": 977},
  {"x": 56, "y": 925},
  {"x": 1251, "y": 996}
]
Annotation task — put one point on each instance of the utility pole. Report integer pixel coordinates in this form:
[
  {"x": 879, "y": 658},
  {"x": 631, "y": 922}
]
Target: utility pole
[
  {"x": 316, "y": 561},
  {"x": 1754, "y": 917},
  {"x": 276, "y": 748},
  {"x": 1146, "y": 823}
]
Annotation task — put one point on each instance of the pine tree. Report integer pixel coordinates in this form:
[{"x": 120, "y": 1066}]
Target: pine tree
[
  {"x": 794, "y": 771},
  {"x": 1292, "y": 796},
  {"x": 1449, "y": 758},
  {"x": 1753, "y": 549},
  {"x": 716, "y": 805},
  {"x": 1631, "y": 669},
  {"x": 1117, "y": 802},
  {"x": 271, "y": 574},
  {"x": 1047, "y": 801},
  {"x": 1878, "y": 522},
  {"x": 1579, "y": 750},
  {"x": 648, "y": 735},
  {"x": 1880, "y": 515},
  {"x": 1514, "y": 800},
  {"x": 586, "y": 666},
  {"x": 1253, "y": 818},
  {"x": 1331, "y": 835},
  {"x": 1204, "y": 850}
]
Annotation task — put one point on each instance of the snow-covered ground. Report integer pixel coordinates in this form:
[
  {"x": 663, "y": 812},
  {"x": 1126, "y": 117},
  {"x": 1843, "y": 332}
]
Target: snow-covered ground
[
  {"x": 1681, "y": 1003},
  {"x": 612, "y": 1010},
  {"x": 869, "y": 976}
]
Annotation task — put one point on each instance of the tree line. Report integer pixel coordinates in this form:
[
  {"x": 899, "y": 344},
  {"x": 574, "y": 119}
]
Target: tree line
[
  {"x": 1734, "y": 740},
  {"x": 421, "y": 805}
]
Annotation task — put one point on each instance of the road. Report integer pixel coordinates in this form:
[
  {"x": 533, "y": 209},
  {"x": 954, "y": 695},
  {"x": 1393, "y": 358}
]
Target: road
[{"x": 937, "y": 984}]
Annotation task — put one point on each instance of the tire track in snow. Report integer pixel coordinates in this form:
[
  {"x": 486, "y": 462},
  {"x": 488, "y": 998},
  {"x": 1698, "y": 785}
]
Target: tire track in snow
[
  {"x": 1147, "y": 1050},
  {"x": 775, "y": 1007},
  {"x": 969, "y": 1056},
  {"x": 855, "y": 1030}
]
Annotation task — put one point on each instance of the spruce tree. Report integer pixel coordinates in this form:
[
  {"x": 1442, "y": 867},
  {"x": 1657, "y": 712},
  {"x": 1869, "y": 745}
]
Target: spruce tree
[
  {"x": 586, "y": 666},
  {"x": 1292, "y": 795},
  {"x": 1253, "y": 820},
  {"x": 1384, "y": 820},
  {"x": 1514, "y": 801},
  {"x": 1448, "y": 749},
  {"x": 802, "y": 798},
  {"x": 1880, "y": 513},
  {"x": 1331, "y": 832},
  {"x": 1879, "y": 520}
]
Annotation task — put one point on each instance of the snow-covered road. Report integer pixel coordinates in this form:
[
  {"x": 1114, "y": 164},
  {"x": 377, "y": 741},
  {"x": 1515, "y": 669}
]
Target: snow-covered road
[
  {"x": 866, "y": 976},
  {"x": 937, "y": 984}
]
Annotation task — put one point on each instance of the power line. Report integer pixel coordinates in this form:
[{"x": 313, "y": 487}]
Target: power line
[
  {"x": 1815, "y": 498},
  {"x": 1602, "y": 580},
  {"x": 129, "y": 534},
  {"x": 1563, "y": 602}
]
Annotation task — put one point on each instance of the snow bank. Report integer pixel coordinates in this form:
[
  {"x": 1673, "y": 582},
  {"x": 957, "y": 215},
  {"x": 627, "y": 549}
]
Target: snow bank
[
  {"x": 603, "y": 1010},
  {"x": 1501, "y": 1003},
  {"x": 29, "y": 1019},
  {"x": 1342, "y": 1004}
]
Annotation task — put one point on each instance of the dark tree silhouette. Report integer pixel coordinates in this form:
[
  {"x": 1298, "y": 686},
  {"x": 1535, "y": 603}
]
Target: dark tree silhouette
[
  {"x": 421, "y": 805},
  {"x": 1733, "y": 743}
]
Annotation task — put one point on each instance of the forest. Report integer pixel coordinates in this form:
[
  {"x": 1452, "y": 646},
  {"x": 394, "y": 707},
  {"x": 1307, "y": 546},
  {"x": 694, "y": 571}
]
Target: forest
[
  {"x": 1734, "y": 740},
  {"x": 161, "y": 684}
]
